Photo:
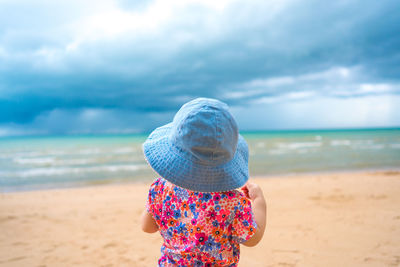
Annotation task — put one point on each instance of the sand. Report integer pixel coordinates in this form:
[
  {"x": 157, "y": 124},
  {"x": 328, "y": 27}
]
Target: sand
[{"x": 347, "y": 219}]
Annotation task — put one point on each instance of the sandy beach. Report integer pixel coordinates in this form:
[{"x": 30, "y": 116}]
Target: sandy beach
[{"x": 344, "y": 219}]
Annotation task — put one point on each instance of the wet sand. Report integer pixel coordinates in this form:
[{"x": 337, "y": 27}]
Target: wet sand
[{"x": 346, "y": 219}]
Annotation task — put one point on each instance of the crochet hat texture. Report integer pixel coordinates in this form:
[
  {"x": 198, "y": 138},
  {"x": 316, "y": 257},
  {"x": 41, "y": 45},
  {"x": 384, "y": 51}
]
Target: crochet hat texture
[{"x": 201, "y": 149}]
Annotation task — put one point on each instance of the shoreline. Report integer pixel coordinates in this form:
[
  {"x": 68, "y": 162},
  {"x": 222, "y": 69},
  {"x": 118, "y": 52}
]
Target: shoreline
[
  {"x": 112, "y": 182},
  {"x": 347, "y": 219},
  {"x": 382, "y": 170}
]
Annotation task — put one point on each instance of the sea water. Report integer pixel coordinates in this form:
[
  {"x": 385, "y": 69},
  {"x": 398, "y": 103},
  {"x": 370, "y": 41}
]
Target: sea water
[{"x": 28, "y": 163}]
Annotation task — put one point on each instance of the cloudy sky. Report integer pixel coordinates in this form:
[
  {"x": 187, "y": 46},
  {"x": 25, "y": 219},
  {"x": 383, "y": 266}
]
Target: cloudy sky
[{"x": 127, "y": 66}]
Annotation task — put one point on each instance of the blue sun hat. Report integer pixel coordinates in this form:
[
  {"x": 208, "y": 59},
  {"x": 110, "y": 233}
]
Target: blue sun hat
[{"x": 201, "y": 149}]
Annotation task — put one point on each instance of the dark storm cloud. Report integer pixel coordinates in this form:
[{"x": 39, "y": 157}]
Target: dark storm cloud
[{"x": 153, "y": 56}]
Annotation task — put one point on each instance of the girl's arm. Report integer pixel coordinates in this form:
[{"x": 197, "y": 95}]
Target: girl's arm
[
  {"x": 148, "y": 223},
  {"x": 254, "y": 192}
]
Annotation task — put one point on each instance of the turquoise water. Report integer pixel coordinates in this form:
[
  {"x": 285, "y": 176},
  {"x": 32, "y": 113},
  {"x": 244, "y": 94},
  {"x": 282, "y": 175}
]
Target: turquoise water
[{"x": 28, "y": 163}]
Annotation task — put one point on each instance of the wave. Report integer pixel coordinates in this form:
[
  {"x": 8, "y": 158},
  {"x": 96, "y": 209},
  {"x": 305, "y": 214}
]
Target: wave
[
  {"x": 340, "y": 142},
  {"x": 52, "y": 161},
  {"x": 299, "y": 145},
  {"x": 124, "y": 150},
  {"x": 395, "y": 146},
  {"x": 54, "y": 171},
  {"x": 89, "y": 151},
  {"x": 34, "y": 161}
]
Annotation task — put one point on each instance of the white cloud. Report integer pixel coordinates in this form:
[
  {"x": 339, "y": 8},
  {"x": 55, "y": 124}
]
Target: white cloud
[
  {"x": 336, "y": 81},
  {"x": 78, "y": 29},
  {"x": 321, "y": 112},
  {"x": 378, "y": 88}
]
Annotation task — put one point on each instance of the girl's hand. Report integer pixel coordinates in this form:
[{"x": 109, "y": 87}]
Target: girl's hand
[{"x": 252, "y": 190}]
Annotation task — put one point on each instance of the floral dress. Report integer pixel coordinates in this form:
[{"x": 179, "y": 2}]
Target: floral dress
[{"x": 200, "y": 229}]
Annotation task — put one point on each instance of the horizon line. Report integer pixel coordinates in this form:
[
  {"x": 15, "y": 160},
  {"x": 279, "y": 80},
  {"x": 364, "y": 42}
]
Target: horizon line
[{"x": 241, "y": 132}]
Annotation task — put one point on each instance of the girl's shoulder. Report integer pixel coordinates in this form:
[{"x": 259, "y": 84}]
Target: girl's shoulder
[
  {"x": 157, "y": 184},
  {"x": 163, "y": 188}
]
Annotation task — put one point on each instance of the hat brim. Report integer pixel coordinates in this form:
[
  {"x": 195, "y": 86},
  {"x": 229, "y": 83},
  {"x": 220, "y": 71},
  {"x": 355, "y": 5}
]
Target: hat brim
[{"x": 182, "y": 169}]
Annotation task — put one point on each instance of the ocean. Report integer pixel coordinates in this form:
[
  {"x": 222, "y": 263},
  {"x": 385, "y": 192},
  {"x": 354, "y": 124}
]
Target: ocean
[{"x": 41, "y": 162}]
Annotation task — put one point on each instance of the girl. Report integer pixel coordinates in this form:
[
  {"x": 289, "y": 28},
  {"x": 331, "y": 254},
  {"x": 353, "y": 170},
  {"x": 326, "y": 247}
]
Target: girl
[{"x": 201, "y": 216}]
